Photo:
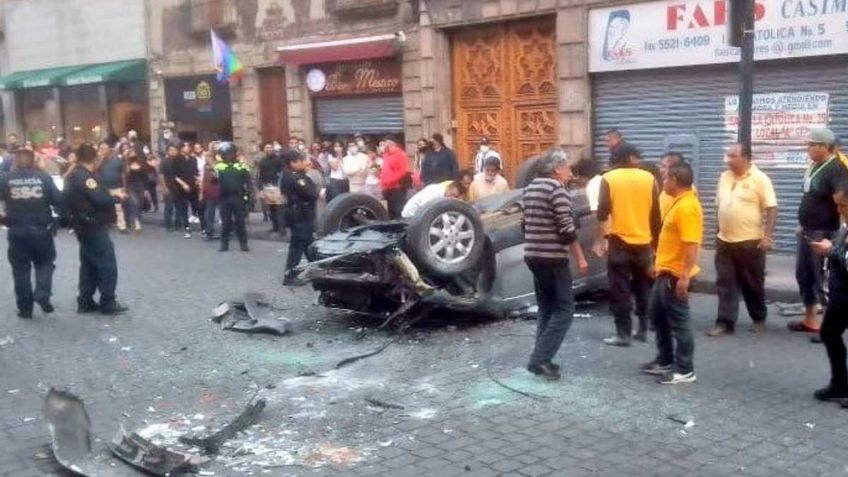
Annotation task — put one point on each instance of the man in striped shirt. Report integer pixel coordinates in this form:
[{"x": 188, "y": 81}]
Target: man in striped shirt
[{"x": 550, "y": 234}]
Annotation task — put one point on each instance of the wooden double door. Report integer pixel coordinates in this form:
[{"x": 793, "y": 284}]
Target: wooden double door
[{"x": 505, "y": 87}]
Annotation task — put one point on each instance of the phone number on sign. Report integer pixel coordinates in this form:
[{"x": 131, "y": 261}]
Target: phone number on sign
[{"x": 685, "y": 42}]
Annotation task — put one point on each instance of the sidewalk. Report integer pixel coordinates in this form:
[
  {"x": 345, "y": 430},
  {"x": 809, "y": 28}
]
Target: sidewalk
[{"x": 780, "y": 277}]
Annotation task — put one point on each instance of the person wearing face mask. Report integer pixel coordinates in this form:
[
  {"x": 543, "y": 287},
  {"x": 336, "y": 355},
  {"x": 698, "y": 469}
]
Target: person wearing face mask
[
  {"x": 486, "y": 152},
  {"x": 489, "y": 182},
  {"x": 355, "y": 167},
  {"x": 337, "y": 183}
]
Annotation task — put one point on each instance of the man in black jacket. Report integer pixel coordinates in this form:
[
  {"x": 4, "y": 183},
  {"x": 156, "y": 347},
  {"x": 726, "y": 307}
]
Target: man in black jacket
[
  {"x": 28, "y": 194},
  {"x": 299, "y": 210},
  {"x": 439, "y": 164}
]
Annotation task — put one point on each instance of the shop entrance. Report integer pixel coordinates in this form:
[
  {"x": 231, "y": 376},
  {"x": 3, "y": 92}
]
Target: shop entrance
[{"x": 505, "y": 87}]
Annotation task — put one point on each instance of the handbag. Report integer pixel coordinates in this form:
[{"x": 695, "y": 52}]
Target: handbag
[{"x": 271, "y": 195}]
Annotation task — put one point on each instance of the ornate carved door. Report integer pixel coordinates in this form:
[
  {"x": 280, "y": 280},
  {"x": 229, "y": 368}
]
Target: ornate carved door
[{"x": 505, "y": 87}]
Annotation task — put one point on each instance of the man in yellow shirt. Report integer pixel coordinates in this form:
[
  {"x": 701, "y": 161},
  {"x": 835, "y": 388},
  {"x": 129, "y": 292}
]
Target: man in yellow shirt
[
  {"x": 676, "y": 263},
  {"x": 745, "y": 201}
]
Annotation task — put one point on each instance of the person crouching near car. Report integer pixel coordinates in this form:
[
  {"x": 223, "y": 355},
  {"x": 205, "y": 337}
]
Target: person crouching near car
[
  {"x": 550, "y": 236},
  {"x": 836, "y": 316},
  {"x": 456, "y": 189},
  {"x": 680, "y": 238}
]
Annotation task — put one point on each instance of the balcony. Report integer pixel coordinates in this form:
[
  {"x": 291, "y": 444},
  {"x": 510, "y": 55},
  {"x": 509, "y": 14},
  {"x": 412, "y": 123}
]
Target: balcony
[
  {"x": 221, "y": 15},
  {"x": 368, "y": 8}
]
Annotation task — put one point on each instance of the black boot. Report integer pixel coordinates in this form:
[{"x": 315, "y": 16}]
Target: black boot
[
  {"x": 244, "y": 247},
  {"x": 86, "y": 305},
  {"x": 225, "y": 247},
  {"x": 45, "y": 305},
  {"x": 113, "y": 308}
]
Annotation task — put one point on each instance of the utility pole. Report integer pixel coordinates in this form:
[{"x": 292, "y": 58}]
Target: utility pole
[{"x": 746, "y": 76}]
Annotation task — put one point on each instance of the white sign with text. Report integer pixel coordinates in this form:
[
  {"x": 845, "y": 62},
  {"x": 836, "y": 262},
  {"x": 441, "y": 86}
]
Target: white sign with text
[{"x": 693, "y": 32}]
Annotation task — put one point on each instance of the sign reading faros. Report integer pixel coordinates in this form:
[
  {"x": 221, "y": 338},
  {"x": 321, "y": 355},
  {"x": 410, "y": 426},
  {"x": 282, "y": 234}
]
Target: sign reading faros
[
  {"x": 780, "y": 125},
  {"x": 693, "y": 32}
]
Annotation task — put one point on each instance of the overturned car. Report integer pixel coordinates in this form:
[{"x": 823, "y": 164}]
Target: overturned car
[{"x": 451, "y": 255}]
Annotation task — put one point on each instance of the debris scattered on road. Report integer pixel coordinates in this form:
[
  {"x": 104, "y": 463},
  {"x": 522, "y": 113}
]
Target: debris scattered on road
[
  {"x": 810, "y": 425},
  {"x": 534, "y": 396},
  {"x": 144, "y": 455},
  {"x": 688, "y": 423},
  {"x": 383, "y": 404},
  {"x": 212, "y": 443},
  {"x": 252, "y": 315},
  {"x": 7, "y": 340},
  {"x": 377, "y": 351}
]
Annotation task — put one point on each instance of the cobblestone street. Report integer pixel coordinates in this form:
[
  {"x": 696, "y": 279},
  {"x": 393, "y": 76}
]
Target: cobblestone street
[{"x": 751, "y": 411}]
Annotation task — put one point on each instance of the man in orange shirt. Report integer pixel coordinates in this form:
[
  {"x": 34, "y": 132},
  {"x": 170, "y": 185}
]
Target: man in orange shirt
[
  {"x": 395, "y": 177},
  {"x": 676, "y": 263}
]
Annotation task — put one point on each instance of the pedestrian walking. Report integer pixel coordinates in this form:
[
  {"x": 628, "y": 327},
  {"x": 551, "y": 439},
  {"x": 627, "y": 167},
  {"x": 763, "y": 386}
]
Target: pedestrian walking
[
  {"x": 28, "y": 194},
  {"x": 836, "y": 317},
  {"x": 818, "y": 219},
  {"x": 111, "y": 170},
  {"x": 439, "y": 163},
  {"x": 170, "y": 188},
  {"x": 299, "y": 212},
  {"x": 137, "y": 185},
  {"x": 676, "y": 263},
  {"x": 550, "y": 235},
  {"x": 484, "y": 154},
  {"x": 234, "y": 189},
  {"x": 91, "y": 210},
  {"x": 395, "y": 178},
  {"x": 186, "y": 178},
  {"x": 747, "y": 213},
  {"x": 628, "y": 224}
]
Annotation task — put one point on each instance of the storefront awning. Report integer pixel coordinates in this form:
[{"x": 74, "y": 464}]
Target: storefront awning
[
  {"x": 130, "y": 70},
  {"x": 380, "y": 46},
  {"x": 37, "y": 78}
]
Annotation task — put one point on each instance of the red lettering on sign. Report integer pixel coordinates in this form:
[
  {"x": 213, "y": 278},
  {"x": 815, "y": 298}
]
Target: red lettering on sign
[{"x": 677, "y": 16}]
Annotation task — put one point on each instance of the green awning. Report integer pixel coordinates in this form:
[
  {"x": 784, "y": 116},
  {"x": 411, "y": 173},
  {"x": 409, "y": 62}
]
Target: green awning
[
  {"x": 130, "y": 70},
  {"x": 36, "y": 78}
]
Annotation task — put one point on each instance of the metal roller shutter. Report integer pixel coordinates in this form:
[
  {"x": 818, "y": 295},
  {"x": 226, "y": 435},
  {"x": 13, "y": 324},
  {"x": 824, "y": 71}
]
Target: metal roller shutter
[
  {"x": 367, "y": 115},
  {"x": 683, "y": 110}
]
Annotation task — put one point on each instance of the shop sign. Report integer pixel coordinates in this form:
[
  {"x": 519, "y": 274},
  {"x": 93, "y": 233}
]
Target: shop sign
[
  {"x": 780, "y": 125},
  {"x": 354, "y": 77},
  {"x": 197, "y": 99},
  {"x": 693, "y": 32}
]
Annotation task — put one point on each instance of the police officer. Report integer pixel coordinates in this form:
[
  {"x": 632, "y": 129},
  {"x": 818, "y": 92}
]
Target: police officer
[
  {"x": 28, "y": 194},
  {"x": 235, "y": 191},
  {"x": 91, "y": 210},
  {"x": 299, "y": 211}
]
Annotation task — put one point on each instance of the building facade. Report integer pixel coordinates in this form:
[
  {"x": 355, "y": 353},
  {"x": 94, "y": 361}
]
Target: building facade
[{"x": 74, "y": 69}]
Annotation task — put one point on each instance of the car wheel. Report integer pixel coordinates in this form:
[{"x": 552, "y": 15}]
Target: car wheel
[
  {"x": 527, "y": 171},
  {"x": 350, "y": 210},
  {"x": 446, "y": 238}
]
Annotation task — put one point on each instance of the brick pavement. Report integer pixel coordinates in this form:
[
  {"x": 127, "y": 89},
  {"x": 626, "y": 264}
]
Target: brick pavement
[{"x": 752, "y": 406}]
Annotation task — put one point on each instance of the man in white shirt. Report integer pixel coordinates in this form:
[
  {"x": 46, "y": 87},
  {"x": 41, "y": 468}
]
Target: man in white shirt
[
  {"x": 587, "y": 175},
  {"x": 489, "y": 182},
  {"x": 485, "y": 153},
  {"x": 431, "y": 193},
  {"x": 355, "y": 167}
]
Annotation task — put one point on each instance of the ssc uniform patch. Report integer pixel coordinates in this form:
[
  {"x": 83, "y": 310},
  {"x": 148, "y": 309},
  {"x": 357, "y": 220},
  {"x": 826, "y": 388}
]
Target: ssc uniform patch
[
  {"x": 301, "y": 182},
  {"x": 91, "y": 183}
]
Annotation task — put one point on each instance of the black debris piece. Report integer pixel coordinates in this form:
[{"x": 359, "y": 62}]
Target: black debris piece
[{"x": 211, "y": 444}]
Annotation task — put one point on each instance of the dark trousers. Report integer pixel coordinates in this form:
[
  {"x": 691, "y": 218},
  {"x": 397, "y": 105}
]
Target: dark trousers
[
  {"x": 395, "y": 200},
  {"x": 154, "y": 197},
  {"x": 201, "y": 213},
  {"x": 232, "y": 215},
  {"x": 209, "y": 208},
  {"x": 670, "y": 315},
  {"x": 31, "y": 247},
  {"x": 809, "y": 269},
  {"x": 302, "y": 235},
  {"x": 168, "y": 211},
  {"x": 552, "y": 283},
  {"x": 98, "y": 267},
  {"x": 181, "y": 204},
  {"x": 833, "y": 326},
  {"x": 740, "y": 270},
  {"x": 274, "y": 213},
  {"x": 629, "y": 273}
]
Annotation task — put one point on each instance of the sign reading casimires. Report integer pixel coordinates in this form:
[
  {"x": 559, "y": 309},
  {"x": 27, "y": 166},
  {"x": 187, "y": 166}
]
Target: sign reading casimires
[
  {"x": 780, "y": 125},
  {"x": 693, "y": 32}
]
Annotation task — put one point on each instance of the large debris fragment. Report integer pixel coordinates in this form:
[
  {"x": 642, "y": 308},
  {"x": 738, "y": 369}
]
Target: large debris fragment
[
  {"x": 143, "y": 454},
  {"x": 212, "y": 444},
  {"x": 252, "y": 315}
]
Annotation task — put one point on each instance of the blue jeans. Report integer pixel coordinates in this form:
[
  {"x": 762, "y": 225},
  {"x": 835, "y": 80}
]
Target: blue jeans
[
  {"x": 552, "y": 283},
  {"x": 209, "y": 208},
  {"x": 670, "y": 316}
]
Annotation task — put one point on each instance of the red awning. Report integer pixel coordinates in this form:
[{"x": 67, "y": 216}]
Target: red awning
[{"x": 340, "y": 50}]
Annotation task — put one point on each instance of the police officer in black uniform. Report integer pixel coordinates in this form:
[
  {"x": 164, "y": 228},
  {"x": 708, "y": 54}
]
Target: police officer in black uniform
[
  {"x": 28, "y": 194},
  {"x": 91, "y": 210},
  {"x": 299, "y": 211},
  {"x": 235, "y": 190}
]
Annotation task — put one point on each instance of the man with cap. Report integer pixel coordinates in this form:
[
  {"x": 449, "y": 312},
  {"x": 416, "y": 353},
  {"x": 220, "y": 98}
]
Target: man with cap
[
  {"x": 818, "y": 219},
  {"x": 486, "y": 152},
  {"x": 628, "y": 227},
  {"x": 234, "y": 190},
  {"x": 28, "y": 194},
  {"x": 395, "y": 177}
]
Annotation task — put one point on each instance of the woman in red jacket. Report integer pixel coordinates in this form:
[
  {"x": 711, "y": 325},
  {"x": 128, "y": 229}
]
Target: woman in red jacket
[{"x": 395, "y": 177}]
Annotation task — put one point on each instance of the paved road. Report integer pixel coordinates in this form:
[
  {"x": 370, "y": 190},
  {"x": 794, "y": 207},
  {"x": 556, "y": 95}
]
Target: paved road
[{"x": 165, "y": 363}]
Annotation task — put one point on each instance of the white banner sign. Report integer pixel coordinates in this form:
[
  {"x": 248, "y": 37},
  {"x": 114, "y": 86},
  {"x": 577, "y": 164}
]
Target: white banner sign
[
  {"x": 692, "y": 32},
  {"x": 780, "y": 125}
]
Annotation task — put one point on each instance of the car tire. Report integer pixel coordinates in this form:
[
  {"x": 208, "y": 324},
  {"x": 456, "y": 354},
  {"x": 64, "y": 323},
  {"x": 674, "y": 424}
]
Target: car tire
[
  {"x": 350, "y": 210},
  {"x": 527, "y": 171},
  {"x": 465, "y": 238}
]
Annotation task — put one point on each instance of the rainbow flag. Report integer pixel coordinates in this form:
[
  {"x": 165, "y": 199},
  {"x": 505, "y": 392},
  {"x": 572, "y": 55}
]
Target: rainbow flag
[{"x": 229, "y": 67}]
